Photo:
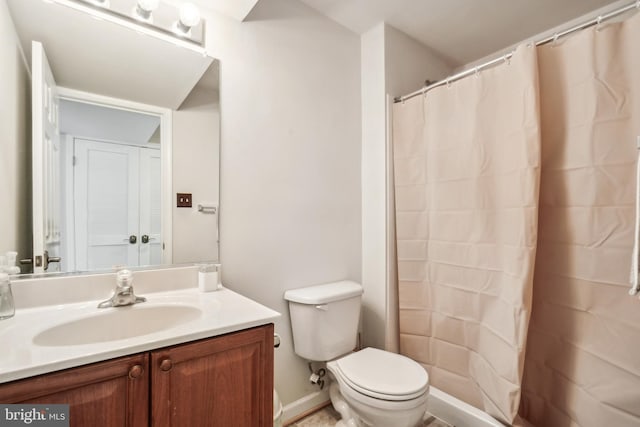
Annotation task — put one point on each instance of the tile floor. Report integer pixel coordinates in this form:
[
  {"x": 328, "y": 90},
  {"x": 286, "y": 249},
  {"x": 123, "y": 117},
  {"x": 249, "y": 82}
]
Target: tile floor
[{"x": 328, "y": 417}]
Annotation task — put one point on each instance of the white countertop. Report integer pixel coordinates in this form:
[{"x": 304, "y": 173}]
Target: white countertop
[{"x": 222, "y": 312}]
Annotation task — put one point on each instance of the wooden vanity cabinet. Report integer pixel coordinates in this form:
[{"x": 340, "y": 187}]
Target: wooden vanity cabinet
[
  {"x": 114, "y": 393},
  {"x": 221, "y": 381},
  {"x": 227, "y": 381}
]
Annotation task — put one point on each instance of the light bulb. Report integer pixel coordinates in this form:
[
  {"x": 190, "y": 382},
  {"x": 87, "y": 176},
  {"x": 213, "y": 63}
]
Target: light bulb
[
  {"x": 148, "y": 5},
  {"x": 101, "y": 3},
  {"x": 189, "y": 15},
  {"x": 189, "y": 18},
  {"x": 144, "y": 8}
]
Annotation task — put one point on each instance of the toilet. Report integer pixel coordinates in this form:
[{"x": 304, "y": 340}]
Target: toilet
[{"x": 370, "y": 387}]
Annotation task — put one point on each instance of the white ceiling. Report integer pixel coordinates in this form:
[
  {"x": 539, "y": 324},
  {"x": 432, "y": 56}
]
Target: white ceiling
[
  {"x": 461, "y": 31},
  {"x": 110, "y": 124}
]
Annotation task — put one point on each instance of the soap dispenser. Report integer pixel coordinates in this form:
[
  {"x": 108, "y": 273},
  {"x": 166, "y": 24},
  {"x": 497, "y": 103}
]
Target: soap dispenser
[{"x": 7, "y": 308}]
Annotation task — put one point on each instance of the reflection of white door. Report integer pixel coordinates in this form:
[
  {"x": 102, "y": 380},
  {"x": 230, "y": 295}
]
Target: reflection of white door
[
  {"x": 45, "y": 159},
  {"x": 150, "y": 207},
  {"x": 116, "y": 205}
]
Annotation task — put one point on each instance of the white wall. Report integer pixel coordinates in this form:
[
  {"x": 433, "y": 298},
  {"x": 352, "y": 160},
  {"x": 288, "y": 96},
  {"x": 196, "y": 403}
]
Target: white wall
[
  {"x": 393, "y": 64},
  {"x": 409, "y": 63},
  {"x": 290, "y": 161},
  {"x": 195, "y": 156},
  {"x": 15, "y": 142},
  {"x": 374, "y": 265}
]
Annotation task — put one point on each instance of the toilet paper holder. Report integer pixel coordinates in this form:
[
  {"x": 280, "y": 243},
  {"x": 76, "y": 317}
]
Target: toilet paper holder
[{"x": 276, "y": 340}]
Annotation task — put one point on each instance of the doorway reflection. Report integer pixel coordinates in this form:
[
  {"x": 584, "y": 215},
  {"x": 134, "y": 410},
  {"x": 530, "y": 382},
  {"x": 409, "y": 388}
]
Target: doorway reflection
[{"x": 110, "y": 204}]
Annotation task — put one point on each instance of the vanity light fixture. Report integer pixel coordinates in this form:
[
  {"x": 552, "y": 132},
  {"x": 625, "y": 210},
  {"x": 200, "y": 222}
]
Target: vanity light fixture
[
  {"x": 189, "y": 18},
  {"x": 104, "y": 12},
  {"x": 101, "y": 3},
  {"x": 144, "y": 9}
]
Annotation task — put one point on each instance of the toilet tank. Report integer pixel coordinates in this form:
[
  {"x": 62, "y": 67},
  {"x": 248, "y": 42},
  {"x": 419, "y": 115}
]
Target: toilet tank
[{"x": 324, "y": 319}]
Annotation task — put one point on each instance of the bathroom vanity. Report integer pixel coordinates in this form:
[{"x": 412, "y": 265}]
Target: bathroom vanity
[
  {"x": 182, "y": 358},
  {"x": 220, "y": 381}
]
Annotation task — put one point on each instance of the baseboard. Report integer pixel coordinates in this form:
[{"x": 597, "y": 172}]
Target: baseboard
[
  {"x": 302, "y": 407},
  {"x": 456, "y": 412}
]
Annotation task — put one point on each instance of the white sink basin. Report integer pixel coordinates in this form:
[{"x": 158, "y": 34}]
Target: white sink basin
[
  {"x": 117, "y": 323},
  {"x": 49, "y": 337}
]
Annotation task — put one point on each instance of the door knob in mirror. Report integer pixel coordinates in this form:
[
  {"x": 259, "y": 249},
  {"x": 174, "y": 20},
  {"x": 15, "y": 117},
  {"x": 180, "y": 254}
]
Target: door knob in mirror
[{"x": 48, "y": 260}]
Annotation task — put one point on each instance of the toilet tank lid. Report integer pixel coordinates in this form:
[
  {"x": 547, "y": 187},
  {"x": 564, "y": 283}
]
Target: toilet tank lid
[{"x": 323, "y": 294}]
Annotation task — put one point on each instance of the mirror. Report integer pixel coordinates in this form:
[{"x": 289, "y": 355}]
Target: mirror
[
  {"x": 157, "y": 106},
  {"x": 109, "y": 170}
]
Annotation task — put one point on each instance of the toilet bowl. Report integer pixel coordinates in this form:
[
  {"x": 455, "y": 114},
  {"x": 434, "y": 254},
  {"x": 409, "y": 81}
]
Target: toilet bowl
[
  {"x": 369, "y": 387},
  {"x": 373, "y": 387}
]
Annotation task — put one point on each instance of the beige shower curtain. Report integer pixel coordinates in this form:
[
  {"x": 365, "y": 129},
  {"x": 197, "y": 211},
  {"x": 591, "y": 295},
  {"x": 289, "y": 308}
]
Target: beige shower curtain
[
  {"x": 466, "y": 175},
  {"x": 466, "y": 161},
  {"x": 583, "y": 353}
]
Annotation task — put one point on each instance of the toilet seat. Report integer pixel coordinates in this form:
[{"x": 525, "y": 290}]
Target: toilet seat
[
  {"x": 381, "y": 375},
  {"x": 381, "y": 404}
]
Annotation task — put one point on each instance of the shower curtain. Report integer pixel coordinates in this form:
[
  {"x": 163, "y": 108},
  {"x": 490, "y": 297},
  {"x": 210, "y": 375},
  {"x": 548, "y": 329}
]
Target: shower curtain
[
  {"x": 466, "y": 161},
  {"x": 472, "y": 220},
  {"x": 583, "y": 353}
]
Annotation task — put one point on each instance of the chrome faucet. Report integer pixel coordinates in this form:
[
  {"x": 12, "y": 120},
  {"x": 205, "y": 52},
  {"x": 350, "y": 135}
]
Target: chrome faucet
[{"x": 123, "y": 295}]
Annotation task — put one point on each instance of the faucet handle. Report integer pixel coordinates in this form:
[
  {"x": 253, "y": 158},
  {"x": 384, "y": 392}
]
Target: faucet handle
[
  {"x": 123, "y": 295},
  {"x": 124, "y": 278}
]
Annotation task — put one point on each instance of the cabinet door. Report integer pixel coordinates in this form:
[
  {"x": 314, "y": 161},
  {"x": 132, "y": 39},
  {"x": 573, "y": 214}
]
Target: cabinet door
[
  {"x": 110, "y": 394},
  {"x": 226, "y": 381}
]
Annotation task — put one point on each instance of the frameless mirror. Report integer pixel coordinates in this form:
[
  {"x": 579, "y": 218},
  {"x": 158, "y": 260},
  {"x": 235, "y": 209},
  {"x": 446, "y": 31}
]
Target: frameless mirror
[
  {"x": 110, "y": 188},
  {"x": 121, "y": 123}
]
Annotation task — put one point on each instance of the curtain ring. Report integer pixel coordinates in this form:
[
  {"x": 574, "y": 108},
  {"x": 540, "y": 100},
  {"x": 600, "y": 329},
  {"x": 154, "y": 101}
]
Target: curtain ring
[
  {"x": 638, "y": 4},
  {"x": 555, "y": 39},
  {"x": 507, "y": 59},
  {"x": 598, "y": 22},
  {"x": 448, "y": 83},
  {"x": 477, "y": 72}
]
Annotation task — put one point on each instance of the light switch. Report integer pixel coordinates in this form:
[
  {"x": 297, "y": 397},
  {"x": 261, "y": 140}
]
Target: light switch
[{"x": 184, "y": 200}]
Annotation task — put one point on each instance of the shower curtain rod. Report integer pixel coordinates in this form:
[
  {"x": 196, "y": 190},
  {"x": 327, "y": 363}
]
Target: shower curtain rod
[{"x": 506, "y": 57}]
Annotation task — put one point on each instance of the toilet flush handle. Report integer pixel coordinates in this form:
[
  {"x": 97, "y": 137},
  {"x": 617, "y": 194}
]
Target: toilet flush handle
[{"x": 323, "y": 307}]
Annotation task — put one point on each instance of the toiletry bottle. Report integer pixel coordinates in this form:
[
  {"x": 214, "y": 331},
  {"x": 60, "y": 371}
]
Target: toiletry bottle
[
  {"x": 7, "y": 308},
  {"x": 11, "y": 267}
]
